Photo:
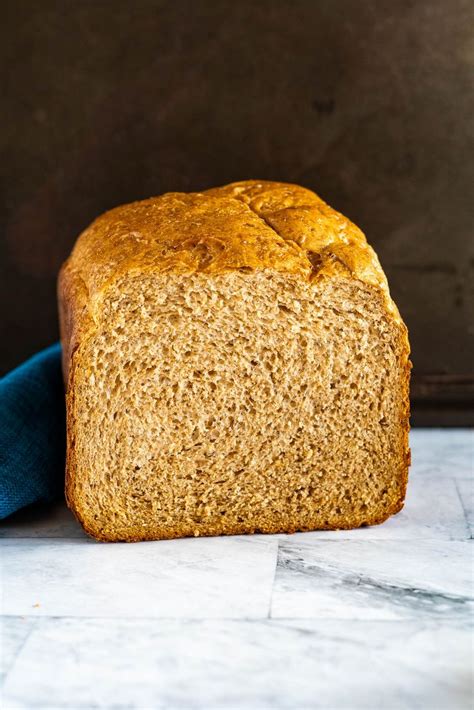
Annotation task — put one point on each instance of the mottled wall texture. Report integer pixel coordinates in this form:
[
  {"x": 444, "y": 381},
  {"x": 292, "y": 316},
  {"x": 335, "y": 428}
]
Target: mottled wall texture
[{"x": 368, "y": 103}]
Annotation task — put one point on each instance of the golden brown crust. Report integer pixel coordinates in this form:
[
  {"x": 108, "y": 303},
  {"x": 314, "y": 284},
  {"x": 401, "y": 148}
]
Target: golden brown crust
[
  {"x": 251, "y": 224},
  {"x": 247, "y": 225}
]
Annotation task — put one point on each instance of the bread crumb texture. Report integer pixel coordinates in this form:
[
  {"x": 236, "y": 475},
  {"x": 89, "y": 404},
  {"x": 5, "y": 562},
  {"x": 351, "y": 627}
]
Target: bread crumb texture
[{"x": 234, "y": 364}]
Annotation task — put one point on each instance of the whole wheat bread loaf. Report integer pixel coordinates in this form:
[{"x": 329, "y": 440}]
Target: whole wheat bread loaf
[{"x": 234, "y": 364}]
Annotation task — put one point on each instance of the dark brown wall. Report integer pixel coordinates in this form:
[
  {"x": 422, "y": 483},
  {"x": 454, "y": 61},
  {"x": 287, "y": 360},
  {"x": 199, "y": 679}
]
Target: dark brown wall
[{"x": 365, "y": 102}]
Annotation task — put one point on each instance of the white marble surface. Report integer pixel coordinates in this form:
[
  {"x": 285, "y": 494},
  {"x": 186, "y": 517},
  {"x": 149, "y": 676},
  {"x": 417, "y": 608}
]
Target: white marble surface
[
  {"x": 225, "y": 577},
  {"x": 373, "y": 618}
]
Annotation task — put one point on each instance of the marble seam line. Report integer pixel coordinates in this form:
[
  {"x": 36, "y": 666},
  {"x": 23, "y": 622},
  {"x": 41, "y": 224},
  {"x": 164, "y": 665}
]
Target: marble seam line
[
  {"x": 429, "y": 622},
  {"x": 33, "y": 627},
  {"x": 469, "y": 535},
  {"x": 275, "y": 569},
  {"x": 434, "y": 621},
  {"x": 413, "y": 596},
  {"x": 339, "y": 535}
]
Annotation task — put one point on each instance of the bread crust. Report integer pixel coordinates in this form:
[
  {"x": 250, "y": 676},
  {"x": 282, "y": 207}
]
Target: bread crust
[{"x": 247, "y": 226}]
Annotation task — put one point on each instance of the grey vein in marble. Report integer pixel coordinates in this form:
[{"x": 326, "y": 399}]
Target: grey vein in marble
[{"x": 373, "y": 580}]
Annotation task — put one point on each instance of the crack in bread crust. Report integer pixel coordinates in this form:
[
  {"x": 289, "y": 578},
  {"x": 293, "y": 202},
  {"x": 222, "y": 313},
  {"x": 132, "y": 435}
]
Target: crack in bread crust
[{"x": 287, "y": 222}]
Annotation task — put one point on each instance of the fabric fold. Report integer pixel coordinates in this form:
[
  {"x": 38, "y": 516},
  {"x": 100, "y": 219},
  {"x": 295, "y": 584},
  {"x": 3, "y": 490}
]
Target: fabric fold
[{"x": 32, "y": 432}]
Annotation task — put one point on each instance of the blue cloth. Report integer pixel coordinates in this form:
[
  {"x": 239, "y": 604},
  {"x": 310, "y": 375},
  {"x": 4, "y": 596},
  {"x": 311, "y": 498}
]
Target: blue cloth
[{"x": 32, "y": 432}]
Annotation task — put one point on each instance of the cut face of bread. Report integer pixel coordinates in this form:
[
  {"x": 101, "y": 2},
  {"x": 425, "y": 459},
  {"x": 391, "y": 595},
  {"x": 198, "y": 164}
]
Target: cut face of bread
[
  {"x": 239, "y": 402},
  {"x": 234, "y": 363}
]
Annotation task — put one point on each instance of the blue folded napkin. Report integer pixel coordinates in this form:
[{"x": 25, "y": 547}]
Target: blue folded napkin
[{"x": 32, "y": 432}]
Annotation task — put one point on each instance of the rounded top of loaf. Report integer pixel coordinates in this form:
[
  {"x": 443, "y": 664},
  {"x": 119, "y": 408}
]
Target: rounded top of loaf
[{"x": 248, "y": 225}]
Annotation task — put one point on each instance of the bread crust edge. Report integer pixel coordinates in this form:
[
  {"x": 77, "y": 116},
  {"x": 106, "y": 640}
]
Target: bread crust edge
[{"x": 77, "y": 322}]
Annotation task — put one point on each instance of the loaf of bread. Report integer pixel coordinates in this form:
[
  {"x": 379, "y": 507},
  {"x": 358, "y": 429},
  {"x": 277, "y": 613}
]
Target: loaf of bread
[{"x": 234, "y": 364}]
